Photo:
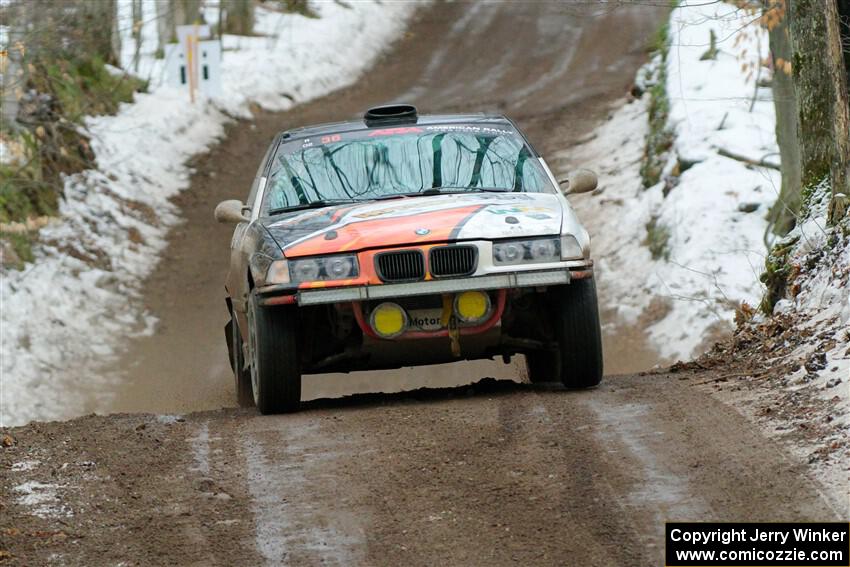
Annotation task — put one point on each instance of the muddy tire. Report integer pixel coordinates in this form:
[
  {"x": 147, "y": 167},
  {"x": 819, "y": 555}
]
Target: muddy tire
[
  {"x": 275, "y": 370},
  {"x": 578, "y": 333},
  {"x": 542, "y": 367},
  {"x": 241, "y": 374}
]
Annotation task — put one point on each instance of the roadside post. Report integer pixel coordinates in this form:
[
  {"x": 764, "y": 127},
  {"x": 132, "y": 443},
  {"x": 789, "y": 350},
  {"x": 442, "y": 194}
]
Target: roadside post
[{"x": 194, "y": 61}]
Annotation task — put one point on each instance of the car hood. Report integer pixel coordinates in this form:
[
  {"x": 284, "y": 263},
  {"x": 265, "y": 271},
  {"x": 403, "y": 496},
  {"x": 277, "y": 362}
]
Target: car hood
[{"x": 417, "y": 220}]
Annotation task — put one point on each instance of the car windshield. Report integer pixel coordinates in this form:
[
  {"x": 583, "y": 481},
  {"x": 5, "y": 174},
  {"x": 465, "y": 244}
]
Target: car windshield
[{"x": 382, "y": 163}]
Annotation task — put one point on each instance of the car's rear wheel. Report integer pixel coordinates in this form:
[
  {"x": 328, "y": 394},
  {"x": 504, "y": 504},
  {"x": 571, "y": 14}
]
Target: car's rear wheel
[
  {"x": 542, "y": 367},
  {"x": 242, "y": 375},
  {"x": 275, "y": 370},
  {"x": 578, "y": 333}
]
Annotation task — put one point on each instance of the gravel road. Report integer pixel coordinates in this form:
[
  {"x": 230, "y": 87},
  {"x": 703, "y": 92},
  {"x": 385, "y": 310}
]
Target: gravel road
[{"x": 493, "y": 473}]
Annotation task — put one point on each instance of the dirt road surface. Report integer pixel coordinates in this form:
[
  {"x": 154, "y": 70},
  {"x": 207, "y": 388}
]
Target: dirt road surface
[
  {"x": 495, "y": 473},
  {"x": 490, "y": 472}
]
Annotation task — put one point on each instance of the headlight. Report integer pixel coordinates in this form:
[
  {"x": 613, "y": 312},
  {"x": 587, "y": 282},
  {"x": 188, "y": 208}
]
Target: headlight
[
  {"x": 544, "y": 249},
  {"x": 304, "y": 270},
  {"x": 266, "y": 270},
  {"x": 324, "y": 268},
  {"x": 278, "y": 273},
  {"x": 570, "y": 249},
  {"x": 527, "y": 251},
  {"x": 340, "y": 267},
  {"x": 509, "y": 252}
]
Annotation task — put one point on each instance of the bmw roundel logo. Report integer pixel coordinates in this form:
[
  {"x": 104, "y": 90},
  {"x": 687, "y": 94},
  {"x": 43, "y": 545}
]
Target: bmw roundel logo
[{"x": 422, "y": 231}]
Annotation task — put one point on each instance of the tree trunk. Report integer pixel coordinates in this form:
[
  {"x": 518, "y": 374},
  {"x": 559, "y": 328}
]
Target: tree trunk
[
  {"x": 11, "y": 84},
  {"x": 173, "y": 13},
  {"x": 239, "y": 16},
  {"x": 844, "y": 29},
  {"x": 822, "y": 98},
  {"x": 164, "y": 25},
  {"x": 137, "y": 33},
  {"x": 840, "y": 169},
  {"x": 115, "y": 38},
  {"x": 99, "y": 28},
  {"x": 783, "y": 214},
  {"x": 187, "y": 12},
  {"x": 844, "y": 36}
]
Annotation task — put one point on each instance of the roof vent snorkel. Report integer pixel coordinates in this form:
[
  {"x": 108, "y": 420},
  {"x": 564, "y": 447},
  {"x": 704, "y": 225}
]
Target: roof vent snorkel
[{"x": 391, "y": 114}]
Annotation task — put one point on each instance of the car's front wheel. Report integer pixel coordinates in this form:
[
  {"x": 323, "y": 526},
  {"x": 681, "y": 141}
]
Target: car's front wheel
[
  {"x": 577, "y": 331},
  {"x": 273, "y": 347}
]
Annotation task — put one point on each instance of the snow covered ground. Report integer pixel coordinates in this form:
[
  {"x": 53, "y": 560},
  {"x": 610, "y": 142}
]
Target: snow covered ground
[
  {"x": 707, "y": 215},
  {"x": 62, "y": 316},
  {"x": 820, "y": 303},
  {"x": 814, "y": 393}
]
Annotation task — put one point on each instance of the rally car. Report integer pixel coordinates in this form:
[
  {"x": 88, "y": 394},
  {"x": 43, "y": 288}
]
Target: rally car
[{"x": 399, "y": 240}]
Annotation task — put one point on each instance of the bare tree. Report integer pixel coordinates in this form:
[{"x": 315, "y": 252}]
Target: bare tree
[
  {"x": 55, "y": 75},
  {"x": 97, "y": 25},
  {"x": 164, "y": 25},
  {"x": 239, "y": 16},
  {"x": 137, "y": 32},
  {"x": 53, "y": 29},
  {"x": 11, "y": 85},
  {"x": 844, "y": 30},
  {"x": 783, "y": 213},
  {"x": 822, "y": 98},
  {"x": 173, "y": 13},
  {"x": 187, "y": 12}
]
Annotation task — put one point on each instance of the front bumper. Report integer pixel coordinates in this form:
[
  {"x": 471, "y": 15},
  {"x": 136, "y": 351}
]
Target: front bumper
[{"x": 510, "y": 280}]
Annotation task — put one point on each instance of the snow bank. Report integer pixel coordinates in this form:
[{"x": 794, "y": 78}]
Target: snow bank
[
  {"x": 796, "y": 363},
  {"x": 63, "y": 316},
  {"x": 819, "y": 305},
  {"x": 711, "y": 249},
  {"x": 820, "y": 308}
]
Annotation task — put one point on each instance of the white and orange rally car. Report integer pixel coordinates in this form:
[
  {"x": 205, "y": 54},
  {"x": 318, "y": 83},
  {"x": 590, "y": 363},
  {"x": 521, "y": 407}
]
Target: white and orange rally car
[{"x": 401, "y": 240}]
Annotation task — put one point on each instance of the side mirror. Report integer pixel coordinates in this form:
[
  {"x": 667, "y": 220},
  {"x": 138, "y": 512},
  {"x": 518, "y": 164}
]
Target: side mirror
[
  {"x": 579, "y": 181},
  {"x": 230, "y": 211}
]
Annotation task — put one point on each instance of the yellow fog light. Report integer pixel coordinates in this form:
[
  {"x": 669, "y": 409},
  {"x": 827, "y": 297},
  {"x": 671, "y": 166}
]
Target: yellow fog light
[
  {"x": 388, "y": 320},
  {"x": 472, "y": 306}
]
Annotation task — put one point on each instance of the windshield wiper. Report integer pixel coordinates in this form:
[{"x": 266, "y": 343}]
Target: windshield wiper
[
  {"x": 318, "y": 204},
  {"x": 457, "y": 190},
  {"x": 471, "y": 189},
  {"x": 442, "y": 191},
  {"x": 392, "y": 196}
]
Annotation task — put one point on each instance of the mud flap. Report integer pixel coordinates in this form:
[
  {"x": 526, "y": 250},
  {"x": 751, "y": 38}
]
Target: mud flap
[{"x": 228, "y": 337}]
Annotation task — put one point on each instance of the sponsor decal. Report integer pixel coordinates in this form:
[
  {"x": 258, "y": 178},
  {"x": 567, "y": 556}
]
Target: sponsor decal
[
  {"x": 517, "y": 209},
  {"x": 536, "y": 213},
  {"x": 395, "y": 131},
  {"x": 426, "y": 319},
  {"x": 468, "y": 128},
  {"x": 304, "y": 143}
]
